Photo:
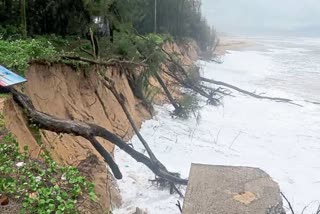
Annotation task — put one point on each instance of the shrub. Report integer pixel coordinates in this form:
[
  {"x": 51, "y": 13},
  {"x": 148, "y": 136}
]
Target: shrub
[
  {"x": 16, "y": 54},
  {"x": 190, "y": 105},
  {"x": 41, "y": 186},
  {"x": 10, "y": 32}
]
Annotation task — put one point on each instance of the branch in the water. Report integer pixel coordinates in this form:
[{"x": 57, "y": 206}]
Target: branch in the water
[
  {"x": 90, "y": 132},
  {"x": 290, "y": 206},
  {"x": 211, "y": 94},
  {"x": 277, "y": 99},
  {"x": 313, "y": 102},
  {"x": 222, "y": 91}
]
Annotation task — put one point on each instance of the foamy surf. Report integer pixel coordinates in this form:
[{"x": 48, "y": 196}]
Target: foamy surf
[{"x": 282, "y": 139}]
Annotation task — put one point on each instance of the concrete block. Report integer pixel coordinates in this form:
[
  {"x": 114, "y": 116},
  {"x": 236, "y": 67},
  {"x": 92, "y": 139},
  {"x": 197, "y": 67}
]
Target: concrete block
[{"x": 231, "y": 190}]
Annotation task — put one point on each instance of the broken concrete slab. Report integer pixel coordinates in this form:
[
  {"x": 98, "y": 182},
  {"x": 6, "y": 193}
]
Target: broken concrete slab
[{"x": 231, "y": 190}]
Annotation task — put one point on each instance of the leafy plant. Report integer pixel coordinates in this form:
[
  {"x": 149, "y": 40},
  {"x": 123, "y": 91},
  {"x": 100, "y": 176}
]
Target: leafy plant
[
  {"x": 42, "y": 186},
  {"x": 36, "y": 132},
  {"x": 10, "y": 32},
  {"x": 15, "y": 55}
]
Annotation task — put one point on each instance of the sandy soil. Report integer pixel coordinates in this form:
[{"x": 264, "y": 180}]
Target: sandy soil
[{"x": 2, "y": 100}]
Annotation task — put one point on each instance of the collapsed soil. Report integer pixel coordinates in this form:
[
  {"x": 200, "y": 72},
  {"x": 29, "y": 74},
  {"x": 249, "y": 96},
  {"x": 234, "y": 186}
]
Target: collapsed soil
[{"x": 78, "y": 94}]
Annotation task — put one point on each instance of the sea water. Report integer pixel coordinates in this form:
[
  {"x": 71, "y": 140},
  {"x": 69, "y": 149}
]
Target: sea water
[{"x": 280, "y": 138}]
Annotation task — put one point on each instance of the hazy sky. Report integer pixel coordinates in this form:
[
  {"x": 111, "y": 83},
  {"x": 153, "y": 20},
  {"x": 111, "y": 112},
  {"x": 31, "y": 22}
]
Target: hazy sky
[{"x": 251, "y": 16}]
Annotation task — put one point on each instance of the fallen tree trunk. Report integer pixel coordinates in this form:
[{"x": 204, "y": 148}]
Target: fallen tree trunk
[
  {"x": 90, "y": 132},
  {"x": 209, "y": 96},
  {"x": 278, "y": 99},
  {"x": 177, "y": 107},
  {"x": 109, "y": 84}
]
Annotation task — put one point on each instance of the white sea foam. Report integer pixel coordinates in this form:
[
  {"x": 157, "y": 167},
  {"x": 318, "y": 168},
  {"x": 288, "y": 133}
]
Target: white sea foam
[{"x": 282, "y": 139}]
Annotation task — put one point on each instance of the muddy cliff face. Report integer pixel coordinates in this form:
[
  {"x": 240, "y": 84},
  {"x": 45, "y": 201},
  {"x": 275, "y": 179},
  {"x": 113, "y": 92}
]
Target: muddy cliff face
[{"x": 65, "y": 92}]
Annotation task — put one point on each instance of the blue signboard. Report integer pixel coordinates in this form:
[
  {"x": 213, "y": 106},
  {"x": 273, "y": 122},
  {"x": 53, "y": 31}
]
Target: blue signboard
[{"x": 8, "y": 78}]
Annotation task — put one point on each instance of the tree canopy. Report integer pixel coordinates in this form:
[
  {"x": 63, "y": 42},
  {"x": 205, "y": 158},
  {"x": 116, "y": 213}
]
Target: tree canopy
[{"x": 179, "y": 18}]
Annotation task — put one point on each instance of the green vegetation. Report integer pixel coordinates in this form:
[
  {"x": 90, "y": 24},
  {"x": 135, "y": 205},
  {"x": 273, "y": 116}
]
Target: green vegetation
[
  {"x": 36, "y": 132},
  {"x": 179, "y": 18},
  {"x": 40, "y": 186},
  {"x": 128, "y": 32},
  {"x": 190, "y": 106},
  {"x": 124, "y": 33},
  {"x": 3, "y": 95},
  {"x": 16, "y": 54},
  {"x": 102, "y": 31},
  {"x": 124, "y": 29}
]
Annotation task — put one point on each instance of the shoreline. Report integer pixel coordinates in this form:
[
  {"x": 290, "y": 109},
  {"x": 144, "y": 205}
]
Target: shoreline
[{"x": 227, "y": 44}]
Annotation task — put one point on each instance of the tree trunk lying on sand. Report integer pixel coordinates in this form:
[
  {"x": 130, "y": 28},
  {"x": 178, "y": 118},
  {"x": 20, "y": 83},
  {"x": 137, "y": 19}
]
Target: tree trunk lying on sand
[{"x": 90, "y": 131}]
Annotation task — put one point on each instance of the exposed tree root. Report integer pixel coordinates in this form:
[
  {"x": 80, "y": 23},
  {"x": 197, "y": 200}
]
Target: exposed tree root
[
  {"x": 90, "y": 132},
  {"x": 110, "y": 62}
]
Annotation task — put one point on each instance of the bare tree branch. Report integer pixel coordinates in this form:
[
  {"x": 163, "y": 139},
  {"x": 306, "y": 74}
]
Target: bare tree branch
[
  {"x": 277, "y": 99},
  {"x": 285, "y": 198}
]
